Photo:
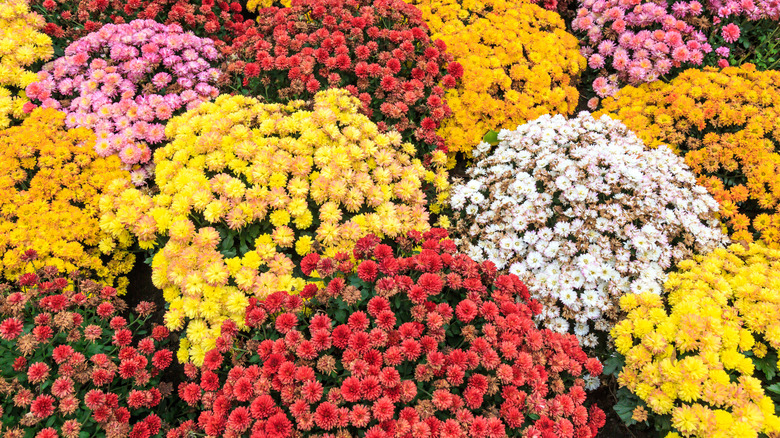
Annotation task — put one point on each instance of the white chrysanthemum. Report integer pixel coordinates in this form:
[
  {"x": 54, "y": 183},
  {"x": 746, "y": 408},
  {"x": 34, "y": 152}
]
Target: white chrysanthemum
[
  {"x": 583, "y": 213},
  {"x": 591, "y": 382}
]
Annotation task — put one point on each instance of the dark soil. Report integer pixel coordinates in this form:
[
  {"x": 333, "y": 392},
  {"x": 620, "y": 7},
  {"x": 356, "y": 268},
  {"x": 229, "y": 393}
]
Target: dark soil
[{"x": 140, "y": 289}]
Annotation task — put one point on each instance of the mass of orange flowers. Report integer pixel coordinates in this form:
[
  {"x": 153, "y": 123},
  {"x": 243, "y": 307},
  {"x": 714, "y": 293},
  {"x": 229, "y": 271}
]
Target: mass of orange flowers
[{"x": 727, "y": 125}]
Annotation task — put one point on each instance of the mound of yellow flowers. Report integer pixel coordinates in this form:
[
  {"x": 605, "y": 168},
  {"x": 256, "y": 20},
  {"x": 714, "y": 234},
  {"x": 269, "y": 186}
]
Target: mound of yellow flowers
[
  {"x": 21, "y": 45},
  {"x": 51, "y": 180},
  {"x": 247, "y": 189},
  {"x": 695, "y": 362},
  {"x": 727, "y": 125},
  {"x": 518, "y": 63}
]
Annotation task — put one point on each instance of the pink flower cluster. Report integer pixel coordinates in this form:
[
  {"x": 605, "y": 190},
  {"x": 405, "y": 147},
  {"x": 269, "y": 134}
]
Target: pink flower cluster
[
  {"x": 750, "y": 9},
  {"x": 637, "y": 41},
  {"x": 124, "y": 81},
  {"x": 633, "y": 41}
]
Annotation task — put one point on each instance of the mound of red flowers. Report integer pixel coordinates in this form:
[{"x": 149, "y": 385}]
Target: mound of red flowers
[
  {"x": 69, "y": 363},
  {"x": 431, "y": 344},
  {"x": 380, "y": 51}
]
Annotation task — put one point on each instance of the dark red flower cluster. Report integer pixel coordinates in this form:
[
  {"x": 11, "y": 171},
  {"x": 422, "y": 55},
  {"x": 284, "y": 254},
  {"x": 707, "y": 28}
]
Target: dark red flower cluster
[
  {"x": 69, "y": 20},
  {"x": 429, "y": 345},
  {"x": 380, "y": 51},
  {"x": 71, "y": 363}
]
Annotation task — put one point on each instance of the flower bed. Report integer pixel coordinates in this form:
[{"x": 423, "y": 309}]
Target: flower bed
[
  {"x": 124, "y": 81},
  {"x": 69, "y": 364},
  {"x": 254, "y": 189},
  {"x": 279, "y": 165},
  {"x": 433, "y": 344},
  {"x": 52, "y": 181},
  {"x": 726, "y": 125},
  {"x": 706, "y": 366},
  {"x": 584, "y": 214},
  {"x": 68, "y": 20},
  {"x": 642, "y": 41},
  {"x": 381, "y": 53},
  {"x": 518, "y": 62}
]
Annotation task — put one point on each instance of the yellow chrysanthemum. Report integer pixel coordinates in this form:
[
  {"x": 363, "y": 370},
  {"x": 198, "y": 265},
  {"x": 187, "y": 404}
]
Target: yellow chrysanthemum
[
  {"x": 692, "y": 361},
  {"x": 518, "y": 64},
  {"x": 51, "y": 184},
  {"x": 21, "y": 45},
  {"x": 236, "y": 194}
]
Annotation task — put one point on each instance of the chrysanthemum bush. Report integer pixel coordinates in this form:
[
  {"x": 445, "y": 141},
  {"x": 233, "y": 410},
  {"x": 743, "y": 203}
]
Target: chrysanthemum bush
[
  {"x": 125, "y": 81},
  {"x": 518, "y": 64},
  {"x": 422, "y": 343},
  {"x": 51, "y": 183},
  {"x": 380, "y": 51},
  {"x": 581, "y": 212},
  {"x": 704, "y": 364},
  {"x": 633, "y": 42},
  {"x": 21, "y": 45},
  {"x": 68, "y": 20},
  {"x": 246, "y": 189},
  {"x": 71, "y": 366},
  {"x": 727, "y": 125}
]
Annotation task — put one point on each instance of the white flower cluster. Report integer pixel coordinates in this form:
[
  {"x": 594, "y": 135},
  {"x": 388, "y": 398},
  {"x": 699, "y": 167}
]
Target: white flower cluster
[{"x": 583, "y": 214}]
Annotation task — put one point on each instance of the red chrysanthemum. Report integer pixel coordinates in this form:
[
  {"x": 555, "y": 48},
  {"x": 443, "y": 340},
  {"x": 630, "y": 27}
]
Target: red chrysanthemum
[
  {"x": 286, "y": 322},
  {"x": 162, "y": 359},
  {"x": 105, "y": 310},
  {"x": 42, "y": 333},
  {"x": 383, "y": 409},
  {"x": 367, "y": 270},
  {"x": 42, "y": 406},
  {"x": 62, "y": 387},
  {"x": 11, "y": 328},
  {"x": 239, "y": 420},
  {"x": 190, "y": 393},
  {"x": 326, "y": 416},
  {"x": 38, "y": 372}
]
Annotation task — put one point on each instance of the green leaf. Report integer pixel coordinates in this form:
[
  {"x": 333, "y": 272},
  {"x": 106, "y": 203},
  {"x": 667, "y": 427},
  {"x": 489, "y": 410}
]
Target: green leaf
[
  {"x": 662, "y": 423},
  {"x": 227, "y": 243},
  {"x": 767, "y": 365},
  {"x": 613, "y": 365},
  {"x": 533, "y": 416},
  {"x": 625, "y": 406},
  {"x": 356, "y": 282},
  {"x": 341, "y": 316},
  {"x": 491, "y": 137},
  {"x": 774, "y": 388}
]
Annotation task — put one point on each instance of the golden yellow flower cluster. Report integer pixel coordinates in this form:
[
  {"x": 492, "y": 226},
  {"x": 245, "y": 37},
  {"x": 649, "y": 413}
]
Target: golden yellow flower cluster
[
  {"x": 727, "y": 125},
  {"x": 518, "y": 64},
  {"x": 689, "y": 363},
  {"x": 298, "y": 179},
  {"x": 51, "y": 180},
  {"x": 21, "y": 45}
]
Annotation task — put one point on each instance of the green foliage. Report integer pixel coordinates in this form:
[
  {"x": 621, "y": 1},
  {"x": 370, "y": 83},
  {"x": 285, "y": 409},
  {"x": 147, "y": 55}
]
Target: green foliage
[{"x": 758, "y": 43}]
